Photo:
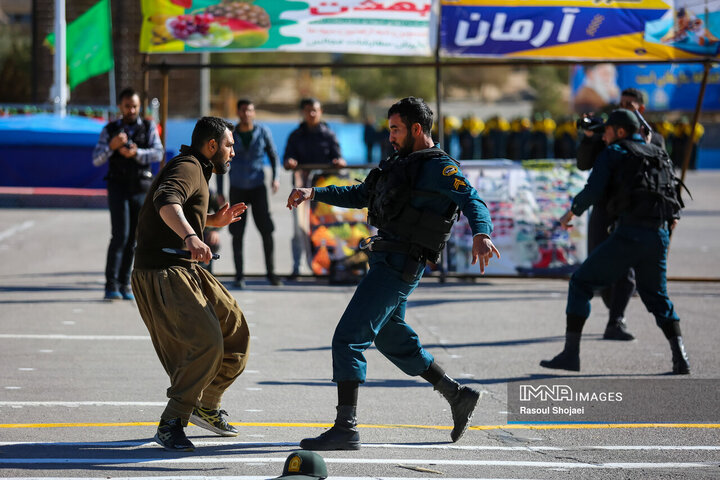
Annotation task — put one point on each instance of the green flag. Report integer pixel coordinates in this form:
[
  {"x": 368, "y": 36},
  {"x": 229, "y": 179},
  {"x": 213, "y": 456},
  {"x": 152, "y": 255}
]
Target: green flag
[{"x": 88, "y": 44}]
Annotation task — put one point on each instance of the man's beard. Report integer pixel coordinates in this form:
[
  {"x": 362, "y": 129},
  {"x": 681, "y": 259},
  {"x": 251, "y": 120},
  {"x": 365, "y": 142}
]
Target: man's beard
[
  {"x": 406, "y": 148},
  {"x": 220, "y": 166}
]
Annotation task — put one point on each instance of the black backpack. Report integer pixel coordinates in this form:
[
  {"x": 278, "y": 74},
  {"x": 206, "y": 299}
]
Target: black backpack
[{"x": 645, "y": 185}]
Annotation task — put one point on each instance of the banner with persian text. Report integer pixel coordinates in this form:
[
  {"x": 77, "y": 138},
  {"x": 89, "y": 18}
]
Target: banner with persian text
[
  {"x": 637, "y": 30},
  {"x": 381, "y": 27}
]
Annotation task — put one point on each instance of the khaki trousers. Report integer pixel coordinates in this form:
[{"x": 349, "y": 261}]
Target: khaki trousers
[{"x": 199, "y": 333}]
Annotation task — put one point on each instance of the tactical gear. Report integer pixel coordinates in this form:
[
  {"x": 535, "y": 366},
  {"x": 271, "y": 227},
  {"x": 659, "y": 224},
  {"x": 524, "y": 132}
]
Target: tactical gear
[
  {"x": 341, "y": 436},
  {"x": 681, "y": 365},
  {"x": 127, "y": 171},
  {"x": 645, "y": 190},
  {"x": 462, "y": 402},
  {"x": 391, "y": 188},
  {"x": 569, "y": 358}
]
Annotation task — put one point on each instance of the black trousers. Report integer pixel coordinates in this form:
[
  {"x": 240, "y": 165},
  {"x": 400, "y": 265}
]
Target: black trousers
[
  {"x": 124, "y": 206},
  {"x": 617, "y": 296},
  {"x": 257, "y": 200}
]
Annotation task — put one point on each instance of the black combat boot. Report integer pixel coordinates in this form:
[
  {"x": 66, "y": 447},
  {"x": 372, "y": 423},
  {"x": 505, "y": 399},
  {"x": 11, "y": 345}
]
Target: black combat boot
[
  {"x": 681, "y": 365},
  {"x": 343, "y": 435},
  {"x": 569, "y": 358},
  {"x": 617, "y": 330},
  {"x": 462, "y": 402}
]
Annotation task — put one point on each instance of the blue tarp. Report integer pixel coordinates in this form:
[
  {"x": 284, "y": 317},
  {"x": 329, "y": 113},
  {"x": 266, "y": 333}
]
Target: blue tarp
[{"x": 44, "y": 150}]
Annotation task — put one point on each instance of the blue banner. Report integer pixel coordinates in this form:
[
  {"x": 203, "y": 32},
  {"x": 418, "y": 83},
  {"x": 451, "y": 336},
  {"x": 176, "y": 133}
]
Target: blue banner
[
  {"x": 665, "y": 86},
  {"x": 672, "y": 87},
  {"x": 549, "y": 31}
]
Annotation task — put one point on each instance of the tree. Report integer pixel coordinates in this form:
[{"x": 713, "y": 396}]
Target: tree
[{"x": 548, "y": 82}]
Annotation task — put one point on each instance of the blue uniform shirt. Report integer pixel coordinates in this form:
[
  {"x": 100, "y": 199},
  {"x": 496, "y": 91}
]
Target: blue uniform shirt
[
  {"x": 440, "y": 175},
  {"x": 599, "y": 178}
]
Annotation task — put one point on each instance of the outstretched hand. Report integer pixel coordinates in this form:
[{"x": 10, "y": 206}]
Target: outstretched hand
[
  {"x": 298, "y": 196},
  {"x": 483, "y": 249},
  {"x": 565, "y": 220},
  {"x": 226, "y": 215}
]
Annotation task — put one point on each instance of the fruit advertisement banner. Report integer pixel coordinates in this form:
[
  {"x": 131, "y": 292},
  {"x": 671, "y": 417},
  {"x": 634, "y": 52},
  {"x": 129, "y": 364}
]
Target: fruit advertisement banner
[
  {"x": 632, "y": 30},
  {"x": 385, "y": 27}
]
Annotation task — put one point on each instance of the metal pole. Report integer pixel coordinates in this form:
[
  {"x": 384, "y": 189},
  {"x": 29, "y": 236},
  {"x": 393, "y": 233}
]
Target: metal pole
[
  {"x": 60, "y": 93},
  {"x": 205, "y": 85},
  {"x": 696, "y": 116},
  {"x": 441, "y": 124},
  {"x": 164, "y": 109},
  {"x": 146, "y": 86},
  {"x": 112, "y": 88}
]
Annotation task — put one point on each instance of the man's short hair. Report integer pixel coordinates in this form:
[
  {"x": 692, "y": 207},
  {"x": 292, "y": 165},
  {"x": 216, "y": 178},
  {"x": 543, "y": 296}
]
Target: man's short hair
[
  {"x": 308, "y": 101},
  {"x": 413, "y": 110},
  {"x": 623, "y": 118},
  {"x": 209, "y": 128},
  {"x": 127, "y": 93},
  {"x": 634, "y": 93},
  {"x": 243, "y": 102}
]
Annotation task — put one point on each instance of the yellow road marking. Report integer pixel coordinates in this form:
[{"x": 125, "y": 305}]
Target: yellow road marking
[{"x": 589, "y": 426}]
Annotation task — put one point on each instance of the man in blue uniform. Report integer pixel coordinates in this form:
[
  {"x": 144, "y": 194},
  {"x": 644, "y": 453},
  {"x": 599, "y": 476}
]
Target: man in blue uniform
[
  {"x": 642, "y": 194},
  {"x": 413, "y": 198},
  {"x": 616, "y": 297}
]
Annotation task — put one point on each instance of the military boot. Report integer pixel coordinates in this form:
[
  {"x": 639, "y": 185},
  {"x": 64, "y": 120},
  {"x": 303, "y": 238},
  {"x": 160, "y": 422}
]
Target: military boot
[
  {"x": 343, "y": 435},
  {"x": 617, "y": 330},
  {"x": 569, "y": 358},
  {"x": 462, "y": 402},
  {"x": 681, "y": 365}
]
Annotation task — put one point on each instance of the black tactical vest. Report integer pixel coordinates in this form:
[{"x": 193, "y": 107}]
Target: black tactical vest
[
  {"x": 126, "y": 171},
  {"x": 391, "y": 187},
  {"x": 645, "y": 187}
]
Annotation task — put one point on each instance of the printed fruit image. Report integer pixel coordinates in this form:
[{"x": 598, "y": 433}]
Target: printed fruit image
[
  {"x": 249, "y": 23},
  {"x": 232, "y": 23},
  {"x": 200, "y": 30}
]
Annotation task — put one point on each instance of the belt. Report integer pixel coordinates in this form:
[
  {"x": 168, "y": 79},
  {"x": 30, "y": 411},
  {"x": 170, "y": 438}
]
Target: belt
[
  {"x": 643, "y": 222},
  {"x": 378, "y": 244}
]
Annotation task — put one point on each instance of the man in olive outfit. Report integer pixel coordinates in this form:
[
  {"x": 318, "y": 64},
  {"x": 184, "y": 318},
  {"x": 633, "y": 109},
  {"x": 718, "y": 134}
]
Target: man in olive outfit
[
  {"x": 413, "y": 198},
  {"x": 197, "y": 328}
]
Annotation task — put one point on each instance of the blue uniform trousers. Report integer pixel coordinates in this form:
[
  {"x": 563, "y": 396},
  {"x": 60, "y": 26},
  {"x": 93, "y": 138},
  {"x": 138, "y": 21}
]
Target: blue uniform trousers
[
  {"x": 645, "y": 250},
  {"x": 377, "y": 313}
]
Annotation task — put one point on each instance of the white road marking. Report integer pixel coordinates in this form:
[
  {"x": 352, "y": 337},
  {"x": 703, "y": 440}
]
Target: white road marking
[
  {"x": 360, "y": 461},
  {"x": 71, "y": 337},
  {"x": 26, "y": 369},
  {"x": 10, "y": 232},
  {"x": 177, "y": 477},
  {"x": 409, "y": 446},
  {"x": 83, "y": 404}
]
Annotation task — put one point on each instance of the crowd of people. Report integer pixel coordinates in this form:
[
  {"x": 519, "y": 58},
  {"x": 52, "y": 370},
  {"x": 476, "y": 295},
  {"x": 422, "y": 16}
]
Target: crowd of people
[
  {"x": 413, "y": 198},
  {"x": 525, "y": 137}
]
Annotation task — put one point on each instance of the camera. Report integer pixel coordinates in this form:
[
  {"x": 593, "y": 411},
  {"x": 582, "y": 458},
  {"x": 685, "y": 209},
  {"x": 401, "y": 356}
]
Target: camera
[{"x": 588, "y": 122}]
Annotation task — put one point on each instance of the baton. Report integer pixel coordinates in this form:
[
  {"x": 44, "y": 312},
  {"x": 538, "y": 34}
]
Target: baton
[
  {"x": 184, "y": 253},
  {"x": 643, "y": 123}
]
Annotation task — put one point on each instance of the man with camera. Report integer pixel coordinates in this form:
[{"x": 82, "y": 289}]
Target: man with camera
[
  {"x": 129, "y": 144},
  {"x": 638, "y": 184},
  {"x": 616, "y": 296}
]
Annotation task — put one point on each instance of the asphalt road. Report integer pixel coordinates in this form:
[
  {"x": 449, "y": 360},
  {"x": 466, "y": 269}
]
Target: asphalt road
[{"x": 81, "y": 388}]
